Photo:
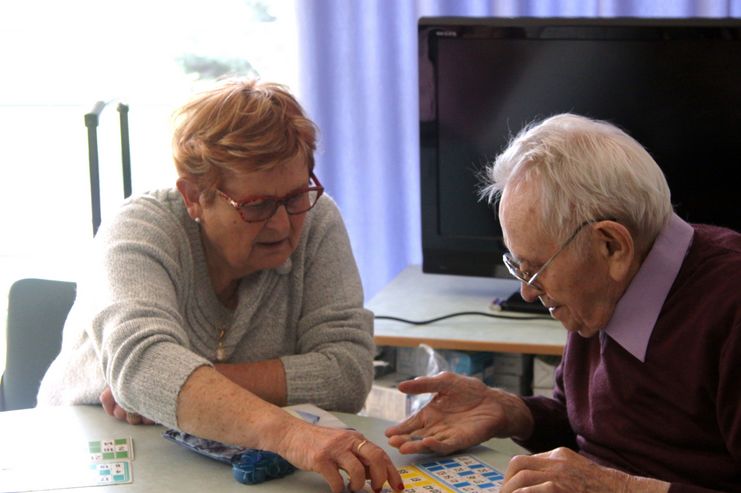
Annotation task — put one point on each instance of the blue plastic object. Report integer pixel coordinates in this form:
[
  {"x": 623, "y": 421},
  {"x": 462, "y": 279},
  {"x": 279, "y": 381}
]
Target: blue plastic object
[
  {"x": 249, "y": 465},
  {"x": 256, "y": 466}
]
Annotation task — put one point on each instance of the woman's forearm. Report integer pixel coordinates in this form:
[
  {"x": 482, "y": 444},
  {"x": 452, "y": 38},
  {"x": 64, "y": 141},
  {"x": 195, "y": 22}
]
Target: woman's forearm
[
  {"x": 266, "y": 379},
  {"x": 214, "y": 407}
]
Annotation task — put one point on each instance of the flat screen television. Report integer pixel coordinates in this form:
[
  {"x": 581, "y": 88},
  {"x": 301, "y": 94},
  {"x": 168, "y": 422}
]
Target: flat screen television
[{"x": 673, "y": 84}]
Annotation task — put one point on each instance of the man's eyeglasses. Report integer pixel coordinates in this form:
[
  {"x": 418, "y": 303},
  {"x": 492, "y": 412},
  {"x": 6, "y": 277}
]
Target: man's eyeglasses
[
  {"x": 514, "y": 268},
  {"x": 261, "y": 208}
]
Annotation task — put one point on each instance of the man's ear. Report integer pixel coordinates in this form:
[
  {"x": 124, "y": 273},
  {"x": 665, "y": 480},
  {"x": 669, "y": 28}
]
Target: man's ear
[
  {"x": 616, "y": 245},
  {"x": 191, "y": 195}
]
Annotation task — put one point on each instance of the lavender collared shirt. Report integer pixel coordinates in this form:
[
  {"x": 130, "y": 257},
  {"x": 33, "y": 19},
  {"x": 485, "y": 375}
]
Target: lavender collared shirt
[{"x": 636, "y": 313}]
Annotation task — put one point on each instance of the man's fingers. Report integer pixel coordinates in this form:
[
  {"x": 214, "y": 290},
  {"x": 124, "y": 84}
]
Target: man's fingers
[
  {"x": 520, "y": 463},
  {"x": 397, "y": 440},
  {"x": 414, "y": 447},
  {"x": 437, "y": 444},
  {"x": 527, "y": 480},
  {"x": 417, "y": 443},
  {"x": 409, "y": 425},
  {"x": 536, "y": 462},
  {"x": 400, "y": 439},
  {"x": 423, "y": 385}
]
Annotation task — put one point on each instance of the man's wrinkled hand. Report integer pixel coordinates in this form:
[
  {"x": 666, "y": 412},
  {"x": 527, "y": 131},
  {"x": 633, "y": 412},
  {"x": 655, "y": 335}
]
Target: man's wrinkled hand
[
  {"x": 464, "y": 412},
  {"x": 564, "y": 471}
]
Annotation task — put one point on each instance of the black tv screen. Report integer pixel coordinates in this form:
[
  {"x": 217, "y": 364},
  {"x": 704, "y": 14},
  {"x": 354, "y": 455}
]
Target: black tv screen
[{"x": 673, "y": 84}]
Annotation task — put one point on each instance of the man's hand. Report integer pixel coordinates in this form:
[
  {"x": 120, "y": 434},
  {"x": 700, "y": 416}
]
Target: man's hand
[
  {"x": 463, "y": 413},
  {"x": 113, "y": 409},
  {"x": 564, "y": 471}
]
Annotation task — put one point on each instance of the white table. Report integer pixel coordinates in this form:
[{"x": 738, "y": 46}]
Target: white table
[
  {"x": 415, "y": 295},
  {"x": 160, "y": 465}
]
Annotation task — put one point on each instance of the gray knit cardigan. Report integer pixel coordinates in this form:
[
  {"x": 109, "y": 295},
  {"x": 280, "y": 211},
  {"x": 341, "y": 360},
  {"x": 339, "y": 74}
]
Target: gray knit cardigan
[{"x": 146, "y": 315}]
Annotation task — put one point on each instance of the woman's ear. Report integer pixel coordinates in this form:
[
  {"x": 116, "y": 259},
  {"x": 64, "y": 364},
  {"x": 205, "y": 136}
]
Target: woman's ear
[
  {"x": 616, "y": 245},
  {"x": 191, "y": 196}
]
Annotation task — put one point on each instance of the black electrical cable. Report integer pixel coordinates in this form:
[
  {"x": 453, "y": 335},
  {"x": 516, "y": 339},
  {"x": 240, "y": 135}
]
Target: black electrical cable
[{"x": 457, "y": 314}]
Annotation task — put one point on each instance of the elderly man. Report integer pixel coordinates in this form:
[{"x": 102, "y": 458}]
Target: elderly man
[{"x": 647, "y": 397}]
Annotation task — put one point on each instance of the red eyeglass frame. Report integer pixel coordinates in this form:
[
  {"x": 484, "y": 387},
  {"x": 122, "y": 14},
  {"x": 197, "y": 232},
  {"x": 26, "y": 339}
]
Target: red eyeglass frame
[{"x": 238, "y": 204}]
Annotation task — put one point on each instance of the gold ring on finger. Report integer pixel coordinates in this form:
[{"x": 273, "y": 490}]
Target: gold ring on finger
[{"x": 360, "y": 445}]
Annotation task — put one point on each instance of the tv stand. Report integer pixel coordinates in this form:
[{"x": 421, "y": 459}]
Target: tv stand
[{"x": 414, "y": 295}]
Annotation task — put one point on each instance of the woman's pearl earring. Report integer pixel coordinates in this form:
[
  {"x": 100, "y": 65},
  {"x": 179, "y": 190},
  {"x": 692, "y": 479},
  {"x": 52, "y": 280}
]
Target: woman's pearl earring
[{"x": 198, "y": 220}]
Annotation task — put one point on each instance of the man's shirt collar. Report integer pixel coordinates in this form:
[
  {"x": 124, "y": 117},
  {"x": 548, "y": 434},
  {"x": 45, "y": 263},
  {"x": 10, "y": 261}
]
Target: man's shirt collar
[{"x": 637, "y": 311}]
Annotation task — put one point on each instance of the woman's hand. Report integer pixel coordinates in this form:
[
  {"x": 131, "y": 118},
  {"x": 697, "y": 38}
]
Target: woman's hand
[
  {"x": 564, "y": 471},
  {"x": 113, "y": 409},
  {"x": 463, "y": 413},
  {"x": 328, "y": 451}
]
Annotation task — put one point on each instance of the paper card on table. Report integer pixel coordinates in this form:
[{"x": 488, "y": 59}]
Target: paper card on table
[
  {"x": 111, "y": 449},
  {"x": 65, "y": 465},
  {"x": 315, "y": 415},
  {"x": 54, "y": 474}
]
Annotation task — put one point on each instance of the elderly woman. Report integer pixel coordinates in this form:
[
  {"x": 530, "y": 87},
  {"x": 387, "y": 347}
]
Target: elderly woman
[{"x": 211, "y": 305}]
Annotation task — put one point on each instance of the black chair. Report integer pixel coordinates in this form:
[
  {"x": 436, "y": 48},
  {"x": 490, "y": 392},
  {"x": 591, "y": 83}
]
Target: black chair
[{"x": 37, "y": 310}]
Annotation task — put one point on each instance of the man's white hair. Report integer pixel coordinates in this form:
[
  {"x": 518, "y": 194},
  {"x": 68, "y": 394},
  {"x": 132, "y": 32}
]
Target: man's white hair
[{"x": 584, "y": 170}]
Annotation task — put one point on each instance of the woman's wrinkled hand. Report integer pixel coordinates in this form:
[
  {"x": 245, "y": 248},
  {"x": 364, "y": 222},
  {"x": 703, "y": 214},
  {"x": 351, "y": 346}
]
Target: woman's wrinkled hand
[
  {"x": 328, "y": 451},
  {"x": 464, "y": 412},
  {"x": 113, "y": 409}
]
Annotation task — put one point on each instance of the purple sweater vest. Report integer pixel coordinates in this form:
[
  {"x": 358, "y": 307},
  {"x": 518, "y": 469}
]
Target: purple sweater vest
[{"x": 676, "y": 417}]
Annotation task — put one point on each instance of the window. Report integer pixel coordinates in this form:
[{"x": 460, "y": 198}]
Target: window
[{"x": 62, "y": 57}]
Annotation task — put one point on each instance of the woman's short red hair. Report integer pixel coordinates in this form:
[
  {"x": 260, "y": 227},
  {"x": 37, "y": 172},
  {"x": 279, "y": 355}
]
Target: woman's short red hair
[{"x": 240, "y": 125}]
